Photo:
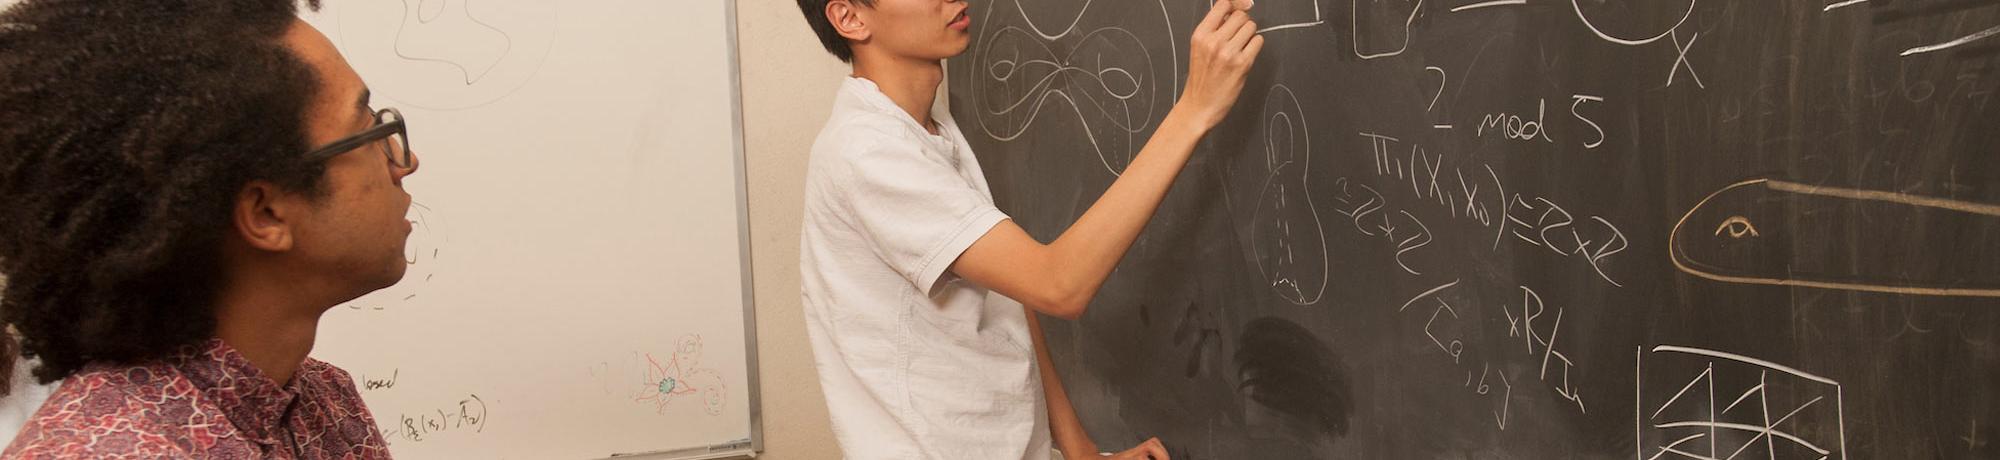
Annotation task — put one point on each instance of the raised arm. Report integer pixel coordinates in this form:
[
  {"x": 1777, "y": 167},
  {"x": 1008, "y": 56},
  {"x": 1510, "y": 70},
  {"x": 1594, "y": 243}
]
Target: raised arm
[{"x": 1060, "y": 278}]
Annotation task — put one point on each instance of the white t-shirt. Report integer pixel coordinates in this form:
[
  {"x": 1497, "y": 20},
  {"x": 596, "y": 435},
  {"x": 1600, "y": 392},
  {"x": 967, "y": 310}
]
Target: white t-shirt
[
  {"x": 915, "y": 362},
  {"x": 21, "y": 403}
]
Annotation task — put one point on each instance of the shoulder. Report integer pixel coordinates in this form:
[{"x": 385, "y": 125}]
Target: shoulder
[
  {"x": 857, "y": 146},
  {"x": 334, "y": 395},
  {"x": 321, "y": 371},
  {"x": 146, "y": 410},
  {"x": 852, "y": 135}
]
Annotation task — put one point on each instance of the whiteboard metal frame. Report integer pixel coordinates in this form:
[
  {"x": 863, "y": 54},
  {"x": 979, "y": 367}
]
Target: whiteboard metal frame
[{"x": 732, "y": 49}]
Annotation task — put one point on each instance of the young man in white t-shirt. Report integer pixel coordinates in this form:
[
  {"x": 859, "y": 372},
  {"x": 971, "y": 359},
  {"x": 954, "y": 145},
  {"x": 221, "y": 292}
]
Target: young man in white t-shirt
[{"x": 901, "y": 244}]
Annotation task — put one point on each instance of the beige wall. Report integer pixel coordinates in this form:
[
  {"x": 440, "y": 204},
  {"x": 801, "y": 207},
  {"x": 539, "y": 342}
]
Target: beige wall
[{"x": 788, "y": 84}]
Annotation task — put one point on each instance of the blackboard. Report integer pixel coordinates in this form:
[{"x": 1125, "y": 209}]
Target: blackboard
[{"x": 1525, "y": 229}]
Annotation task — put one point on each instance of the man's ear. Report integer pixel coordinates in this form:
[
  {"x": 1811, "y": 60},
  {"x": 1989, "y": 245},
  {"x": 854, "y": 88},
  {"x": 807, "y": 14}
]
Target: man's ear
[
  {"x": 846, "y": 19},
  {"x": 263, "y": 216}
]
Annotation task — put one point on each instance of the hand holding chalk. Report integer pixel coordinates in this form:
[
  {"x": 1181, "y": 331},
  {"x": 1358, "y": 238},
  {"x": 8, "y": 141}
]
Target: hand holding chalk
[
  {"x": 1221, "y": 51},
  {"x": 1151, "y": 449}
]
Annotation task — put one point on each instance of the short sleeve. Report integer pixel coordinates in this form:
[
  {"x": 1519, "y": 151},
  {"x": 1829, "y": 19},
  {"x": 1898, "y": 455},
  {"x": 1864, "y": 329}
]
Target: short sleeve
[{"x": 916, "y": 212}]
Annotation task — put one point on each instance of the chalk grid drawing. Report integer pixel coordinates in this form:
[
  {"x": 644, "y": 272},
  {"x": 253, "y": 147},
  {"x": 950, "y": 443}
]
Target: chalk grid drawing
[{"x": 1722, "y": 406}]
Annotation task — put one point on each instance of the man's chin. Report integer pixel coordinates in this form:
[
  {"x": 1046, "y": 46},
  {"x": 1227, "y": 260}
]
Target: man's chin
[
  {"x": 396, "y": 274},
  {"x": 388, "y": 278}
]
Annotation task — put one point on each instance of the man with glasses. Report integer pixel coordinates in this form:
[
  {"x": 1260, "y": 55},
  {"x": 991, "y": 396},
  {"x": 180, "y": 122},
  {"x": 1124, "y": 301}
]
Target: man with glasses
[{"x": 186, "y": 186}]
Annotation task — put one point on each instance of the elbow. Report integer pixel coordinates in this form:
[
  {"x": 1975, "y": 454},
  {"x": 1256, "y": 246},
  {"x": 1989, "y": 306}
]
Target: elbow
[
  {"x": 1068, "y": 310},
  {"x": 1060, "y": 301}
]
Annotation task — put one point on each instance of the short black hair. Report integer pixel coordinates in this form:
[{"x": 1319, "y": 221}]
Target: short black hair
[
  {"x": 815, "y": 11},
  {"x": 127, "y": 127}
]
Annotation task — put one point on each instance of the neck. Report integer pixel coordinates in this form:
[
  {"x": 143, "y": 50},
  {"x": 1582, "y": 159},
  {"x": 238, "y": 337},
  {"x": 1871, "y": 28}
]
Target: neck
[
  {"x": 269, "y": 323},
  {"x": 911, "y": 83}
]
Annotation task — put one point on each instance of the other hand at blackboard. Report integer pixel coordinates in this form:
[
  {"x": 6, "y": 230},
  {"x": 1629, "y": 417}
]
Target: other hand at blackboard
[
  {"x": 1151, "y": 449},
  {"x": 1224, "y": 45}
]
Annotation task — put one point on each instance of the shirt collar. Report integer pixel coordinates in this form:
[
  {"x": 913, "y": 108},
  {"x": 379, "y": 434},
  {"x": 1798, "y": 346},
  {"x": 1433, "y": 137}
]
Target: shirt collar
[
  {"x": 253, "y": 402},
  {"x": 861, "y": 94},
  {"x": 871, "y": 98}
]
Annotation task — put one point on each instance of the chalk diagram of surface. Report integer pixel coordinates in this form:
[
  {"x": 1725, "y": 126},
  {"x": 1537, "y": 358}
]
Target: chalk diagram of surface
[
  {"x": 1094, "y": 72},
  {"x": 421, "y": 251},
  {"x": 1718, "y": 405},
  {"x": 1287, "y": 237},
  {"x": 1747, "y": 233},
  {"x": 447, "y": 54}
]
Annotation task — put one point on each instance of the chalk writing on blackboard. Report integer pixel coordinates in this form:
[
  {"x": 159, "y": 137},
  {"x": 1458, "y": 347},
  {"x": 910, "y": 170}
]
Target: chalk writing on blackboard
[
  {"x": 1517, "y": 127},
  {"x": 1953, "y": 43},
  {"x": 1597, "y": 29},
  {"x": 1287, "y": 14},
  {"x": 1533, "y": 308},
  {"x": 1371, "y": 216},
  {"x": 1488, "y": 383},
  {"x": 1487, "y": 4},
  {"x": 1382, "y": 28},
  {"x": 1681, "y": 58},
  {"x": 1432, "y": 107},
  {"x": 1532, "y": 220},
  {"x": 1577, "y": 104}
]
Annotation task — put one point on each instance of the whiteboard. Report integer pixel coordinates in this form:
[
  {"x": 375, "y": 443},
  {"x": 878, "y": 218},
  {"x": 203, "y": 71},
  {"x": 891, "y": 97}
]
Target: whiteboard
[{"x": 579, "y": 282}]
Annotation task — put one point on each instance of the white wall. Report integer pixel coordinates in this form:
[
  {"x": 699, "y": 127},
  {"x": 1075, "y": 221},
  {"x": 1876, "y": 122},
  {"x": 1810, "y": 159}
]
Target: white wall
[{"x": 788, "y": 84}]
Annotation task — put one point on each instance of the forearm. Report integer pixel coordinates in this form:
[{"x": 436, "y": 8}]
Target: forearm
[
  {"x": 1066, "y": 429},
  {"x": 1060, "y": 278},
  {"x": 1085, "y": 254}
]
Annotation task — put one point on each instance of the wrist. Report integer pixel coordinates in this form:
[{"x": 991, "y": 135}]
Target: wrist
[
  {"x": 1186, "y": 119},
  {"x": 1079, "y": 450}
]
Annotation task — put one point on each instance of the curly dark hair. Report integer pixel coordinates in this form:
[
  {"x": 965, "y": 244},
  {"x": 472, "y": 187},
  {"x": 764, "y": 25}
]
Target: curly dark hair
[
  {"x": 815, "y": 11},
  {"x": 126, "y": 129}
]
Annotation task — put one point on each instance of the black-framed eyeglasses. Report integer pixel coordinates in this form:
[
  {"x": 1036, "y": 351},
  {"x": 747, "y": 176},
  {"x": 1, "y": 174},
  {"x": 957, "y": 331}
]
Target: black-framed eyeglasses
[{"x": 389, "y": 130}]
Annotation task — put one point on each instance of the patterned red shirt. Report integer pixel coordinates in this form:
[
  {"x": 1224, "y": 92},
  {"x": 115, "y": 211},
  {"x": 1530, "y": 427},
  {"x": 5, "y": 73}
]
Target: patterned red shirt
[{"x": 206, "y": 401}]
